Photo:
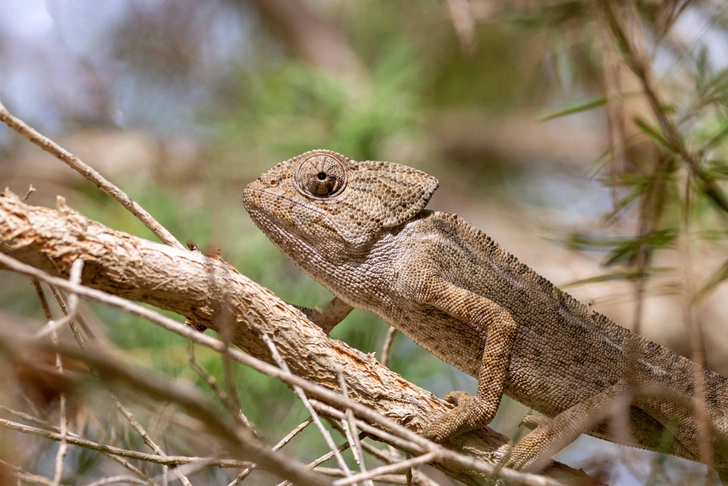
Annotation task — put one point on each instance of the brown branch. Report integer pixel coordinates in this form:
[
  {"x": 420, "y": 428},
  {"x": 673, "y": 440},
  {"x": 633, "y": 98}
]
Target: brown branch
[
  {"x": 182, "y": 282},
  {"x": 117, "y": 451}
]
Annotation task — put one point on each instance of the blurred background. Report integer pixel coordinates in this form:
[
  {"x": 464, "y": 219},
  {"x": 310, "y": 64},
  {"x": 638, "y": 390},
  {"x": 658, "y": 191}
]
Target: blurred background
[{"x": 525, "y": 111}]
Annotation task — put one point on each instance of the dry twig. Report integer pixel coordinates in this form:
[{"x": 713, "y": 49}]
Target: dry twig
[
  {"x": 304, "y": 399},
  {"x": 350, "y": 429},
  {"x": 285, "y": 440},
  {"x": 389, "y": 468},
  {"x": 89, "y": 173}
]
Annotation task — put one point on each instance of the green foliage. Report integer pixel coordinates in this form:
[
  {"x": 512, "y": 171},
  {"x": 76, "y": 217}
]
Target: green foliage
[
  {"x": 314, "y": 109},
  {"x": 684, "y": 182},
  {"x": 622, "y": 250},
  {"x": 653, "y": 133},
  {"x": 575, "y": 107}
]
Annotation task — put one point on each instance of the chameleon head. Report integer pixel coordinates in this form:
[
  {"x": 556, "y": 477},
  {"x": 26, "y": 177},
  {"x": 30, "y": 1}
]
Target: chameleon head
[{"x": 324, "y": 198}]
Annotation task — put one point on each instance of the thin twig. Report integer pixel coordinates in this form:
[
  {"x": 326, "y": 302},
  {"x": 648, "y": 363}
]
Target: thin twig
[
  {"x": 145, "y": 437},
  {"x": 226, "y": 327},
  {"x": 389, "y": 457},
  {"x": 697, "y": 40},
  {"x": 650, "y": 210},
  {"x": 106, "y": 449},
  {"x": 123, "y": 462},
  {"x": 117, "y": 479},
  {"x": 637, "y": 62},
  {"x": 63, "y": 423},
  {"x": 54, "y": 428},
  {"x": 614, "y": 108},
  {"x": 32, "y": 478},
  {"x": 224, "y": 397},
  {"x": 387, "y": 346},
  {"x": 410, "y": 440},
  {"x": 329, "y": 455},
  {"x": 368, "y": 428},
  {"x": 41, "y": 296},
  {"x": 63, "y": 445},
  {"x": 389, "y": 468},
  {"x": 72, "y": 322},
  {"x": 29, "y": 418},
  {"x": 386, "y": 352},
  {"x": 23, "y": 475},
  {"x": 238, "y": 440},
  {"x": 350, "y": 428},
  {"x": 72, "y": 309},
  {"x": 234, "y": 438},
  {"x": 293, "y": 433},
  {"x": 82, "y": 344},
  {"x": 386, "y": 478},
  {"x": 191, "y": 468},
  {"x": 89, "y": 173},
  {"x": 304, "y": 399},
  {"x": 285, "y": 440},
  {"x": 321, "y": 460},
  {"x": 695, "y": 334},
  {"x": 63, "y": 418}
]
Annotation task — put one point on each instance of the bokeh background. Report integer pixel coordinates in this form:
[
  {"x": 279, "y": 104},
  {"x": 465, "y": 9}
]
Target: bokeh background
[{"x": 514, "y": 106}]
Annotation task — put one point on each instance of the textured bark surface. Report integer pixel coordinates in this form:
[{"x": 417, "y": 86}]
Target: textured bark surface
[{"x": 208, "y": 291}]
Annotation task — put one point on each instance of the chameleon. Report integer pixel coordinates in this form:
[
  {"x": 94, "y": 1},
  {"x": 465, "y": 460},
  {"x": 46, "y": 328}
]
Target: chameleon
[{"x": 361, "y": 230}]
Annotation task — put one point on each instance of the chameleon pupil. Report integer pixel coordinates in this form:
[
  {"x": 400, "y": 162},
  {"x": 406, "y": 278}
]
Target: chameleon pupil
[{"x": 321, "y": 176}]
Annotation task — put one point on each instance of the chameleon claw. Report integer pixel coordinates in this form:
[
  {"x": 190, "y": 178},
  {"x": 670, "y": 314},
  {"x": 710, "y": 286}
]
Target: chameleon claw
[{"x": 468, "y": 415}]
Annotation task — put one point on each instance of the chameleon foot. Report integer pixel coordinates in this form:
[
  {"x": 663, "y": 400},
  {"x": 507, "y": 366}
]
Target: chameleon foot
[
  {"x": 469, "y": 414},
  {"x": 533, "y": 421}
]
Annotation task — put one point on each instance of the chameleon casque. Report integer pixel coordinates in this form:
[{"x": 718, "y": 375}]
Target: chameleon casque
[{"x": 361, "y": 229}]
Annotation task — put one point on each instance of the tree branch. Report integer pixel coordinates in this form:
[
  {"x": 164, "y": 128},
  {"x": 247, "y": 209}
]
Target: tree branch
[{"x": 202, "y": 289}]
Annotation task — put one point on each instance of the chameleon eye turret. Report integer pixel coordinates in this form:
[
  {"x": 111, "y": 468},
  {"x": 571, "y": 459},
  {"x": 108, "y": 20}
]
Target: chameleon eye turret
[{"x": 320, "y": 175}]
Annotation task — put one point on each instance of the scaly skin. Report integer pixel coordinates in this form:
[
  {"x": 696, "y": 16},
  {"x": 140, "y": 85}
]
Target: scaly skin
[{"x": 361, "y": 230}]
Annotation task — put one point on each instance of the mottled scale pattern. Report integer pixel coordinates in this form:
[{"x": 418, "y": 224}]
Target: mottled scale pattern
[{"x": 361, "y": 229}]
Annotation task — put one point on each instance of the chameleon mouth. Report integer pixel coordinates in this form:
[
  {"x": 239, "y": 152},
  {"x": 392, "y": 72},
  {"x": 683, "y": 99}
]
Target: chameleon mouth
[
  {"x": 287, "y": 240},
  {"x": 281, "y": 230},
  {"x": 251, "y": 203}
]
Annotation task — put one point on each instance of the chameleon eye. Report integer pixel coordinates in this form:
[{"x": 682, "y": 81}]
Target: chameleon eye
[{"x": 320, "y": 176}]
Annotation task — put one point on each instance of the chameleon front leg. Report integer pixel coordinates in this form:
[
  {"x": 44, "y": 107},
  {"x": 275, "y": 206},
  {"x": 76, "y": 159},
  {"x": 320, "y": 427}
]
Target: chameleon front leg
[
  {"x": 475, "y": 412},
  {"x": 330, "y": 316}
]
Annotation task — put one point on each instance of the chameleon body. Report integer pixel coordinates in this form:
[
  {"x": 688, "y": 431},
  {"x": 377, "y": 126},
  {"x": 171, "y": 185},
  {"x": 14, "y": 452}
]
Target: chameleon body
[{"x": 361, "y": 229}]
